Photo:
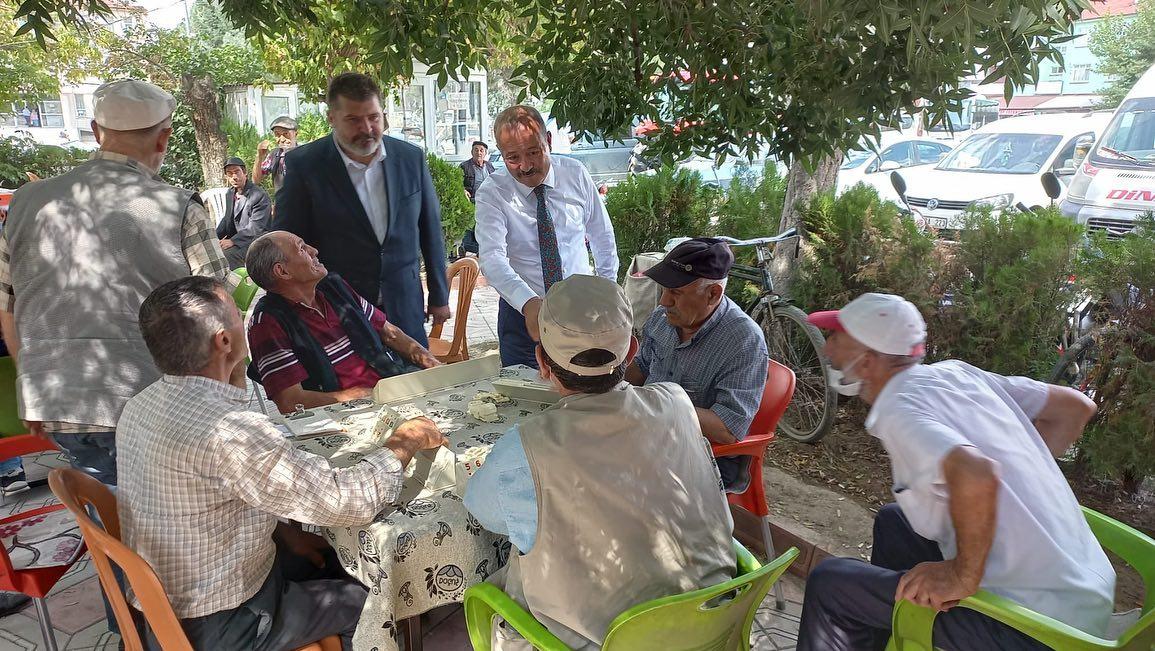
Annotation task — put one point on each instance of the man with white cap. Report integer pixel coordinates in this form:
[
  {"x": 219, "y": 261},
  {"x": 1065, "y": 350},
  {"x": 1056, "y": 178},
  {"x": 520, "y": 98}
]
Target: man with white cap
[
  {"x": 981, "y": 503},
  {"x": 78, "y": 255},
  {"x": 611, "y": 492}
]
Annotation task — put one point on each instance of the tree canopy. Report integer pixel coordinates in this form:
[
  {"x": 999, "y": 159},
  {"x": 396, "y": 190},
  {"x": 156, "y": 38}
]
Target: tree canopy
[{"x": 1125, "y": 47}]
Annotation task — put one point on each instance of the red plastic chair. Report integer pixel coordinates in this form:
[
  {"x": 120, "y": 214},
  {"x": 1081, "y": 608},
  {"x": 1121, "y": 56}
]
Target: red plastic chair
[
  {"x": 775, "y": 398},
  {"x": 34, "y": 582}
]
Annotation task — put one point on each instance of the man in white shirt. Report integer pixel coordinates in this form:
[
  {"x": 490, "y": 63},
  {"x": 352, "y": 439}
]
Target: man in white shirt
[
  {"x": 981, "y": 503},
  {"x": 534, "y": 218}
]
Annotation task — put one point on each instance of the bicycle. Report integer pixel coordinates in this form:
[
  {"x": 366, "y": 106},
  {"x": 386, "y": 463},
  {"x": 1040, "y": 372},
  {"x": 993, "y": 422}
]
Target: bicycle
[{"x": 790, "y": 340}]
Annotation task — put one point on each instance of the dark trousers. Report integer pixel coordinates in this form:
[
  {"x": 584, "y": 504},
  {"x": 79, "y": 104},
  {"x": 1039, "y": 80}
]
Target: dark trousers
[
  {"x": 513, "y": 340},
  {"x": 298, "y": 604},
  {"x": 848, "y": 604}
]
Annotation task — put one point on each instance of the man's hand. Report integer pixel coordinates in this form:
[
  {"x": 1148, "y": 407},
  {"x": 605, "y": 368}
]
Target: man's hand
[
  {"x": 412, "y": 436},
  {"x": 469, "y": 194},
  {"x": 935, "y": 585},
  {"x": 531, "y": 310},
  {"x": 425, "y": 359},
  {"x": 264, "y": 146},
  {"x": 354, "y": 393},
  {"x": 304, "y": 544},
  {"x": 226, "y": 244},
  {"x": 439, "y": 313}
]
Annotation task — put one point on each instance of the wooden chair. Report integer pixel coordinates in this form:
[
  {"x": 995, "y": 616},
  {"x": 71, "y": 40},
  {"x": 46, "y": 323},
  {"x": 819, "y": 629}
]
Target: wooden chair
[
  {"x": 457, "y": 350},
  {"x": 77, "y": 492}
]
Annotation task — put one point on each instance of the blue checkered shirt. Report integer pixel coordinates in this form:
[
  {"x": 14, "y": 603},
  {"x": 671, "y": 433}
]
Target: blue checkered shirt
[{"x": 722, "y": 367}]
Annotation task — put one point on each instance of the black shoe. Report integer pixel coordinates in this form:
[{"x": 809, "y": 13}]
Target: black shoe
[
  {"x": 13, "y": 482},
  {"x": 13, "y": 602}
]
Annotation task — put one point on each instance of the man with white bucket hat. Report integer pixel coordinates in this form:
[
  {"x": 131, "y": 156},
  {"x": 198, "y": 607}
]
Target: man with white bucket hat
[{"x": 981, "y": 503}]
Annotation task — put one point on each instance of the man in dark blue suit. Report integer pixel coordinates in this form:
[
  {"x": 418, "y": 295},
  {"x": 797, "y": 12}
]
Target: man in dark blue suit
[{"x": 366, "y": 202}]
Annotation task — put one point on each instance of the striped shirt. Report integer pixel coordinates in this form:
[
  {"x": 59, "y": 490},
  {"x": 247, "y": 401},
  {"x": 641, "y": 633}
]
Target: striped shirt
[
  {"x": 203, "y": 482},
  {"x": 277, "y": 363}
]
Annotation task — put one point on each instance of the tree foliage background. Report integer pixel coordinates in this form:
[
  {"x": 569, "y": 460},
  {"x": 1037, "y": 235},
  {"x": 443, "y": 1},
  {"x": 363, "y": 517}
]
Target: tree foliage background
[{"x": 1125, "y": 47}]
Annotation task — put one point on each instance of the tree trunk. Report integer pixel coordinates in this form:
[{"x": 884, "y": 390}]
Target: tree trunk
[
  {"x": 801, "y": 186},
  {"x": 205, "y": 111}
]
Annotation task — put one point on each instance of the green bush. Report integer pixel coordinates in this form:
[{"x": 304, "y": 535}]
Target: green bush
[
  {"x": 752, "y": 206},
  {"x": 1120, "y": 442},
  {"x": 648, "y": 210},
  {"x": 1006, "y": 279},
  {"x": 243, "y": 140},
  {"x": 456, "y": 208},
  {"x": 20, "y": 154},
  {"x": 312, "y": 125},
  {"x": 182, "y": 163}
]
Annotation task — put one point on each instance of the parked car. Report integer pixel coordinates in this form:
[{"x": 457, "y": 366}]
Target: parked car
[
  {"x": 893, "y": 151},
  {"x": 1116, "y": 183},
  {"x": 1001, "y": 165}
]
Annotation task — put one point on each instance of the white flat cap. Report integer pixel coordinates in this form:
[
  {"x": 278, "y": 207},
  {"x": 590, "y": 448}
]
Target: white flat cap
[{"x": 129, "y": 104}]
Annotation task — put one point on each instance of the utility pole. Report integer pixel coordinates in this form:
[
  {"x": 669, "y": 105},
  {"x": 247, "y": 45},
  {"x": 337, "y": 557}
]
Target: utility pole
[{"x": 187, "y": 20}]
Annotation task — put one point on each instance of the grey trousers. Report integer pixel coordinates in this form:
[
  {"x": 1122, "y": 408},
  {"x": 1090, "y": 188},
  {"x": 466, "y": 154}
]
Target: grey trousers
[{"x": 848, "y": 603}]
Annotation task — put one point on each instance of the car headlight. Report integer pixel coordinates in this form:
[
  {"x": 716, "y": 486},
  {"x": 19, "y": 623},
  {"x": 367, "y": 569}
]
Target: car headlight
[{"x": 996, "y": 202}]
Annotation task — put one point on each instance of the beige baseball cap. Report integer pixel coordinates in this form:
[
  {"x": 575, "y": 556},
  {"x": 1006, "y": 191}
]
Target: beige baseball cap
[
  {"x": 586, "y": 313},
  {"x": 130, "y": 104}
]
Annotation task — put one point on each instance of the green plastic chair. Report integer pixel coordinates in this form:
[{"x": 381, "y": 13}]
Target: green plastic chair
[
  {"x": 10, "y": 423},
  {"x": 685, "y": 621},
  {"x": 912, "y": 626},
  {"x": 245, "y": 292}
]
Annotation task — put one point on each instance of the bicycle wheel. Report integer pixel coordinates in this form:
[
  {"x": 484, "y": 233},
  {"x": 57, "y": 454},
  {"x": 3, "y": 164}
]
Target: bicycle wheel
[
  {"x": 797, "y": 344},
  {"x": 1074, "y": 367}
]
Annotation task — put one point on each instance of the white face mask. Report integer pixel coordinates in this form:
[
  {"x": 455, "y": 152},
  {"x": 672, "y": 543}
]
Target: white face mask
[{"x": 843, "y": 382}]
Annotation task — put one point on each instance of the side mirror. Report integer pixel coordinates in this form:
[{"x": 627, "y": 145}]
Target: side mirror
[
  {"x": 1052, "y": 186},
  {"x": 899, "y": 184},
  {"x": 890, "y": 166}
]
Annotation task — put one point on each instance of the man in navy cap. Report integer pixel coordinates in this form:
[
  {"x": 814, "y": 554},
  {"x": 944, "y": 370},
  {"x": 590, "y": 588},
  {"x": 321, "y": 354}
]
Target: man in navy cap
[
  {"x": 246, "y": 213},
  {"x": 701, "y": 340}
]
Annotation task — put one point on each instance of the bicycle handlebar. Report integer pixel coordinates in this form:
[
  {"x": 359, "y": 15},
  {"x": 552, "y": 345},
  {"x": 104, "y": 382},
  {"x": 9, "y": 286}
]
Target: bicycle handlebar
[{"x": 758, "y": 241}]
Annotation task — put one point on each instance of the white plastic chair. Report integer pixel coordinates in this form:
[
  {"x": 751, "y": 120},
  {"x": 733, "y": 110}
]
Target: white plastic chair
[{"x": 217, "y": 201}]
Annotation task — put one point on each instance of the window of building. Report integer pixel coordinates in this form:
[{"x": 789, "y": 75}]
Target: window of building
[
  {"x": 52, "y": 114},
  {"x": 458, "y": 118},
  {"x": 1081, "y": 73},
  {"x": 81, "y": 107},
  {"x": 407, "y": 115},
  {"x": 273, "y": 107}
]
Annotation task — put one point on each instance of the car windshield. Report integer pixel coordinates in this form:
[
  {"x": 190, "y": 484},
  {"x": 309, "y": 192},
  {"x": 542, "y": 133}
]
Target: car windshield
[
  {"x": 1130, "y": 140},
  {"x": 1002, "y": 153},
  {"x": 855, "y": 159}
]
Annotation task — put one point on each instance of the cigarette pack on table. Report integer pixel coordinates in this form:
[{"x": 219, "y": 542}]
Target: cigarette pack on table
[{"x": 519, "y": 389}]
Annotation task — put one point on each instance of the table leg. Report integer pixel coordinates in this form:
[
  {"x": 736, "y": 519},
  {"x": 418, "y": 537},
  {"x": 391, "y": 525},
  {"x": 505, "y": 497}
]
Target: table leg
[{"x": 411, "y": 632}]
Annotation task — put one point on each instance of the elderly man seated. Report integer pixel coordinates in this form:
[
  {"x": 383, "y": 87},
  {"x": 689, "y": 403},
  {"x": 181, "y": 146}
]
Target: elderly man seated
[
  {"x": 203, "y": 481},
  {"x": 611, "y": 492},
  {"x": 314, "y": 340},
  {"x": 701, "y": 340},
  {"x": 981, "y": 502}
]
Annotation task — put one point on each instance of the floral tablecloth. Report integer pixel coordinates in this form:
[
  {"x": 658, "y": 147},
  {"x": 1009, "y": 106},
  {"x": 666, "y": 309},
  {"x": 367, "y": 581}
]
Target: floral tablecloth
[{"x": 426, "y": 551}]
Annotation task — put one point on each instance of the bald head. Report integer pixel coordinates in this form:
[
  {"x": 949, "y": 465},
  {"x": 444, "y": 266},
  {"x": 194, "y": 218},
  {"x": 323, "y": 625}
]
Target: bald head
[{"x": 283, "y": 263}]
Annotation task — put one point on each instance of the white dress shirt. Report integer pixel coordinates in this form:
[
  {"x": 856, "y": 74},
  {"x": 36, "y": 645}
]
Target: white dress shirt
[
  {"x": 369, "y": 182},
  {"x": 507, "y": 230}
]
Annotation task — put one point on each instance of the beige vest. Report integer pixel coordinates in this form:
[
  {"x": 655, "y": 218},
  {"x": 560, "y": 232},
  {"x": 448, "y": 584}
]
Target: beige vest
[
  {"x": 86, "y": 248},
  {"x": 630, "y": 509}
]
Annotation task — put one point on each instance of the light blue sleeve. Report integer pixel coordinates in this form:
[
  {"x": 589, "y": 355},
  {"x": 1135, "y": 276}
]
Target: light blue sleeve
[{"x": 501, "y": 494}]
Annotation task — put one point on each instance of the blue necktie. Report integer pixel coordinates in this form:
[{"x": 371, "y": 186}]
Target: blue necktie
[{"x": 547, "y": 242}]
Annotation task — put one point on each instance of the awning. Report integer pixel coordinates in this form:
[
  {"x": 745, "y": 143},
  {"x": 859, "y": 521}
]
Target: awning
[
  {"x": 1020, "y": 104},
  {"x": 1069, "y": 103}
]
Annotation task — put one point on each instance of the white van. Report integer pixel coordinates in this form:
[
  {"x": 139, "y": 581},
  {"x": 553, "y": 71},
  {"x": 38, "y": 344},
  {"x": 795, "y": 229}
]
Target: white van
[
  {"x": 1116, "y": 183},
  {"x": 1001, "y": 165}
]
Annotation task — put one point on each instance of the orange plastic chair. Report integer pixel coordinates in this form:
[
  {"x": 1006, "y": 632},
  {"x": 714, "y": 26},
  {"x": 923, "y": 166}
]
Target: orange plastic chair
[
  {"x": 775, "y": 398},
  {"x": 457, "y": 350},
  {"x": 77, "y": 491}
]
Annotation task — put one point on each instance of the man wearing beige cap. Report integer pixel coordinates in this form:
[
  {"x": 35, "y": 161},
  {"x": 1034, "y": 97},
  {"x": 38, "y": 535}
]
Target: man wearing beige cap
[
  {"x": 981, "y": 503},
  {"x": 272, "y": 162},
  {"x": 78, "y": 255},
  {"x": 585, "y": 488}
]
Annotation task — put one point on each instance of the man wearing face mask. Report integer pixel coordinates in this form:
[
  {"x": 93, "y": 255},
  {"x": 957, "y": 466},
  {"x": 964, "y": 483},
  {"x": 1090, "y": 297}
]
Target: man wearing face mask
[
  {"x": 981, "y": 503},
  {"x": 533, "y": 220},
  {"x": 366, "y": 202},
  {"x": 701, "y": 340}
]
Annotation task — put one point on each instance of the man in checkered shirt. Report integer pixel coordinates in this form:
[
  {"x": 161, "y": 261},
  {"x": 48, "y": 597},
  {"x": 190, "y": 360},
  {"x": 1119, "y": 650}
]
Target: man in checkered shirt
[{"x": 204, "y": 482}]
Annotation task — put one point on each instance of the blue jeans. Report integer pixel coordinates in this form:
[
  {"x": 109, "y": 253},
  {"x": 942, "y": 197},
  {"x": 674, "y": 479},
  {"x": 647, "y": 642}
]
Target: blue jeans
[
  {"x": 513, "y": 340},
  {"x": 848, "y": 603},
  {"x": 93, "y": 454}
]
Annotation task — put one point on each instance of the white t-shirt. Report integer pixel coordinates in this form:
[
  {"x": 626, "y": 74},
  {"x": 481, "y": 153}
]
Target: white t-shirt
[{"x": 1044, "y": 555}]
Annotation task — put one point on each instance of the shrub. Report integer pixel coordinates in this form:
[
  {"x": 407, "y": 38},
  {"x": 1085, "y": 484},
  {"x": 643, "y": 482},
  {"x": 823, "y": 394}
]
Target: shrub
[
  {"x": 752, "y": 207},
  {"x": 243, "y": 140},
  {"x": 1006, "y": 280},
  {"x": 1120, "y": 442},
  {"x": 456, "y": 208},
  {"x": 312, "y": 125},
  {"x": 21, "y": 154},
  {"x": 182, "y": 163},
  {"x": 648, "y": 210}
]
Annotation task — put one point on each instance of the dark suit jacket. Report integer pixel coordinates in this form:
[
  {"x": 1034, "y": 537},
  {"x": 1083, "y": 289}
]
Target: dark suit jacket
[
  {"x": 318, "y": 203},
  {"x": 251, "y": 222}
]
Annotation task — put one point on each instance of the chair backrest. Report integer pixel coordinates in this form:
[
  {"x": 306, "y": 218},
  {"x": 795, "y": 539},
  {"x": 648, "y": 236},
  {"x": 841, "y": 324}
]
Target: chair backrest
[
  {"x": 217, "y": 201},
  {"x": 715, "y": 618},
  {"x": 10, "y": 422},
  {"x": 468, "y": 271},
  {"x": 245, "y": 292},
  {"x": 77, "y": 491},
  {"x": 775, "y": 399}
]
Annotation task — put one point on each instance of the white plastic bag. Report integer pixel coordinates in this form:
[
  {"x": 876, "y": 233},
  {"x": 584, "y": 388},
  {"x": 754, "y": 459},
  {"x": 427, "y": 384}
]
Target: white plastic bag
[{"x": 642, "y": 292}]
